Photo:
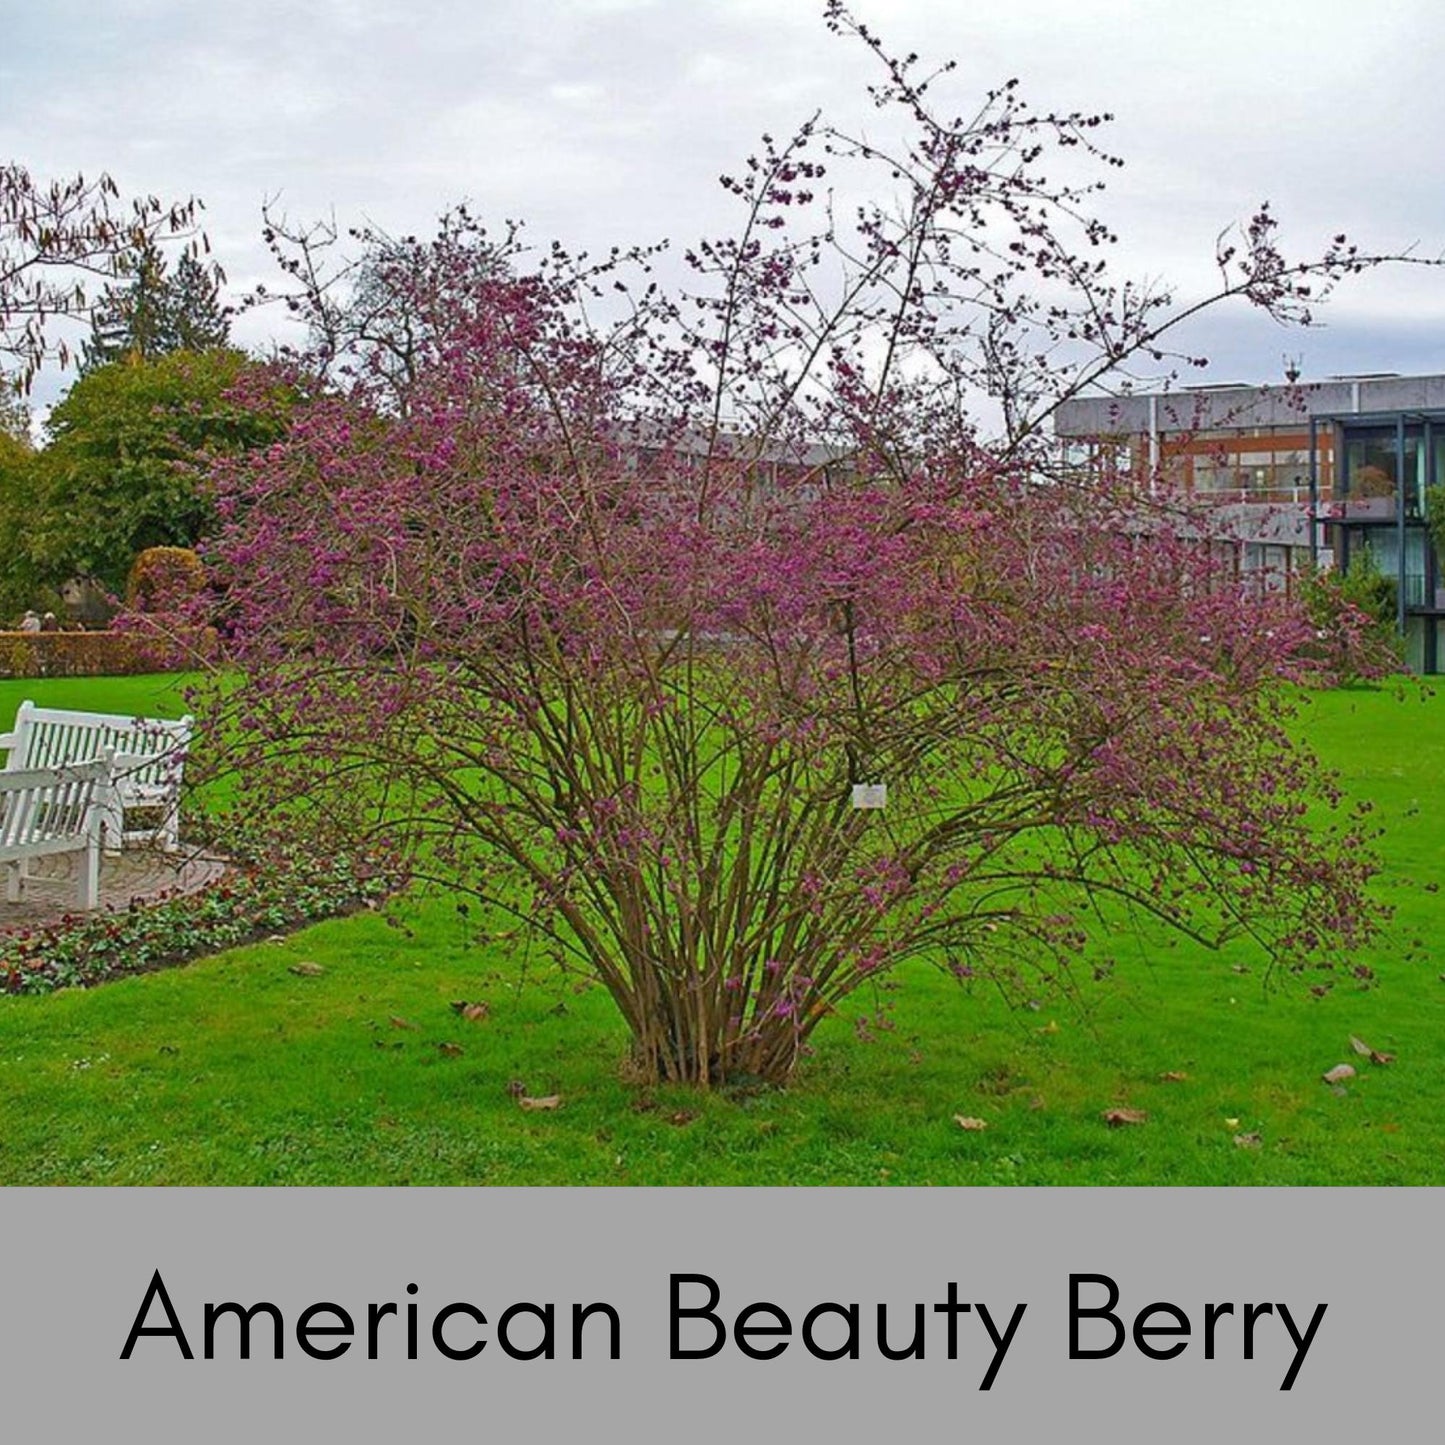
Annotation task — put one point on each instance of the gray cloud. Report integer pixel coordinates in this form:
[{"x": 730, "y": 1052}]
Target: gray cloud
[{"x": 609, "y": 120}]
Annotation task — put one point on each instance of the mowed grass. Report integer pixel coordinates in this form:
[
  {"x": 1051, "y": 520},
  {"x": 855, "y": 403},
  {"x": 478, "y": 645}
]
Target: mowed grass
[{"x": 236, "y": 1070}]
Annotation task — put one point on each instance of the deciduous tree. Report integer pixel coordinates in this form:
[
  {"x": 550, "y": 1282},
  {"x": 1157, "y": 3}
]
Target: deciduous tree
[
  {"x": 55, "y": 240},
  {"x": 121, "y": 471}
]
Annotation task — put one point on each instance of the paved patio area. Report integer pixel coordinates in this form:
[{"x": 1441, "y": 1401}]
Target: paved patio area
[{"x": 135, "y": 875}]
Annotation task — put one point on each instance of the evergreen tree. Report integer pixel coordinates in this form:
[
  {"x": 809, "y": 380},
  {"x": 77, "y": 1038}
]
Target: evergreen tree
[
  {"x": 14, "y": 414},
  {"x": 155, "y": 313},
  {"x": 198, "y": 321}
]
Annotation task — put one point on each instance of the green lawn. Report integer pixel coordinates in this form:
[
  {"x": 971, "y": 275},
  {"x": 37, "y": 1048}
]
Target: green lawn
[{"x": 238, "y": 1071}]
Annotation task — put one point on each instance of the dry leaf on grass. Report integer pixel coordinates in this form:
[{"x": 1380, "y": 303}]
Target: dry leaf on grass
[
  {"x": 550, "y": 1101},
  {"x": 1338, "y": 1074},
  {"x": 1373, "y": 1055},
  {"x": 1117, "y": 1118},
  {"x": 397, "y": 1022},
  {"x": 306, "y": 970},
  {"x": 472, "y": 1012},
  {"x": 449, "y": 1051},
  {"x": 1247, "y": 1141},
  {"x": 1174, "y": 1076},
  {"x": 964, "y": 1121}
]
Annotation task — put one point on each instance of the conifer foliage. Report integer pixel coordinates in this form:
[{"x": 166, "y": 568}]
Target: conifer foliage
[{"x": 153, "y": 311}]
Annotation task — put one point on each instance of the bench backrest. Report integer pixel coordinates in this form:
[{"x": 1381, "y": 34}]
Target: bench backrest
[
  {"x": 39, "y": 805},
  {"x": 149, "y": 752}
]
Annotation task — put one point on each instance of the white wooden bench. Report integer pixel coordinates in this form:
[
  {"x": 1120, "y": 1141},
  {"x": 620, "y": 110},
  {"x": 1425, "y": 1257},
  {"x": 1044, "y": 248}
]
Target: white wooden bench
[
  {"x": 44, "y": 811},
  {"x": 149, "y": 756}
]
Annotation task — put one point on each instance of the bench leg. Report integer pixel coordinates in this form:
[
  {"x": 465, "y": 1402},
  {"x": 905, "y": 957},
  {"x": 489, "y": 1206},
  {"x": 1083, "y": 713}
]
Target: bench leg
[
  {"x": 112, "y": 824},
  {"x": 13, "y": 875},
  {"x": 88, "y": 893}
]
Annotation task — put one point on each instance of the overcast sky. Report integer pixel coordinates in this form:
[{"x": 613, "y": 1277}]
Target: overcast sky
[{"x": 603, "y": 121}]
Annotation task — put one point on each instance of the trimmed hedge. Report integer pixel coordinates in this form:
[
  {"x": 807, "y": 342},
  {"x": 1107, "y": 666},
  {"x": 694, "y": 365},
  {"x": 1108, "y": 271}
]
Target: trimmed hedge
[{"x": 92, "y": 654}]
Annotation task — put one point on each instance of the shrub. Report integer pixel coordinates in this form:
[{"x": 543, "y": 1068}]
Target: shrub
[{"x": 163, "y": 577}]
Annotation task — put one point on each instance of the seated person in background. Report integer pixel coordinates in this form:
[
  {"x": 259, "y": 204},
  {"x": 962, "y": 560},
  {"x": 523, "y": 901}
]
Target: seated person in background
[
  {"x": 30, "y": 622},
  {"x": 50, "y": 623}
]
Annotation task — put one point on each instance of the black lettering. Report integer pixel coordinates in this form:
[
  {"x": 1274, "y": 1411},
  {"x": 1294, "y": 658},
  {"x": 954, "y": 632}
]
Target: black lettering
[
  {"x": 915, "y": 1347},
  {"x": 1143, "y": 1330},
  {"x": 952, "y": 1308},
  {"x": 156, "y": 1290},
  {"x": 849, "y": 1348},
  {"x": 544, "y": 1313},
  {"x": 1212, "y": 1313},
  {"x": 374, "y": 1315},
  {"x": 1076, "y": 1313},
  {"x": 677, "y": 1313},
  {"x": 1000, "y": 1345},
  {"x": 1252, "y": 1313},
  {"x": 439, "y": 1339},
  {"x": 579, "y": 1318},
  {"x": 213, "y": 1312},
  {"x": 742, "y": 1329},
  {"x": 305, "y": 1329},
  {"x": 1301, "y": 1345}
]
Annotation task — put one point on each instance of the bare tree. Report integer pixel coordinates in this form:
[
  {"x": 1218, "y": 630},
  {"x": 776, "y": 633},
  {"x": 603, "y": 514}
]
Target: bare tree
[{"x": 54, "y": 239}]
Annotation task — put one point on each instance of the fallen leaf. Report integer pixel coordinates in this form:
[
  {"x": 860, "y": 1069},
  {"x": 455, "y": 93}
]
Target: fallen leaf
[
  {"x": 1239, "y": 968},
  {"x": 306, "y": 970},
  {"x": 1338, "y": 1074},
  {"x": 1231, "y": 1123},
  {"x": 1373, "y": 1055},
  {"x": 1247, "y": 1141},
  {"x": 471, "y": 1011},
  {"x": 449, "y": 1051},
  {"x": 550, "y": 1101},
  {"x": 972, "y": 1125},
  {"x": 1037, "y": 1102},
  {"x": 683, "y": 1116},
  {"x": 516, "y": 1088},
  {"x": 1052, "y": 1027},
  {"x": 1116, "y": 1118},
  {"x": 397, "y": 1022},
  {"x": 1174, "y": 1076}
]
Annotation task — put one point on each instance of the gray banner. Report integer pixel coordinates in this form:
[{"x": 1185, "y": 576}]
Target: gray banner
[{"x": 79, "y": 1265}]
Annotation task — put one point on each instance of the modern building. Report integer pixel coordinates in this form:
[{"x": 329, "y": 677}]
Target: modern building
[{"x": 1329, "y": 473}]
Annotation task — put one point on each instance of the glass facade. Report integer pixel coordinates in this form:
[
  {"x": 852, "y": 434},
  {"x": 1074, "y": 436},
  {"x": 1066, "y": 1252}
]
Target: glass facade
[{"x": 1387, "y": 465}]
